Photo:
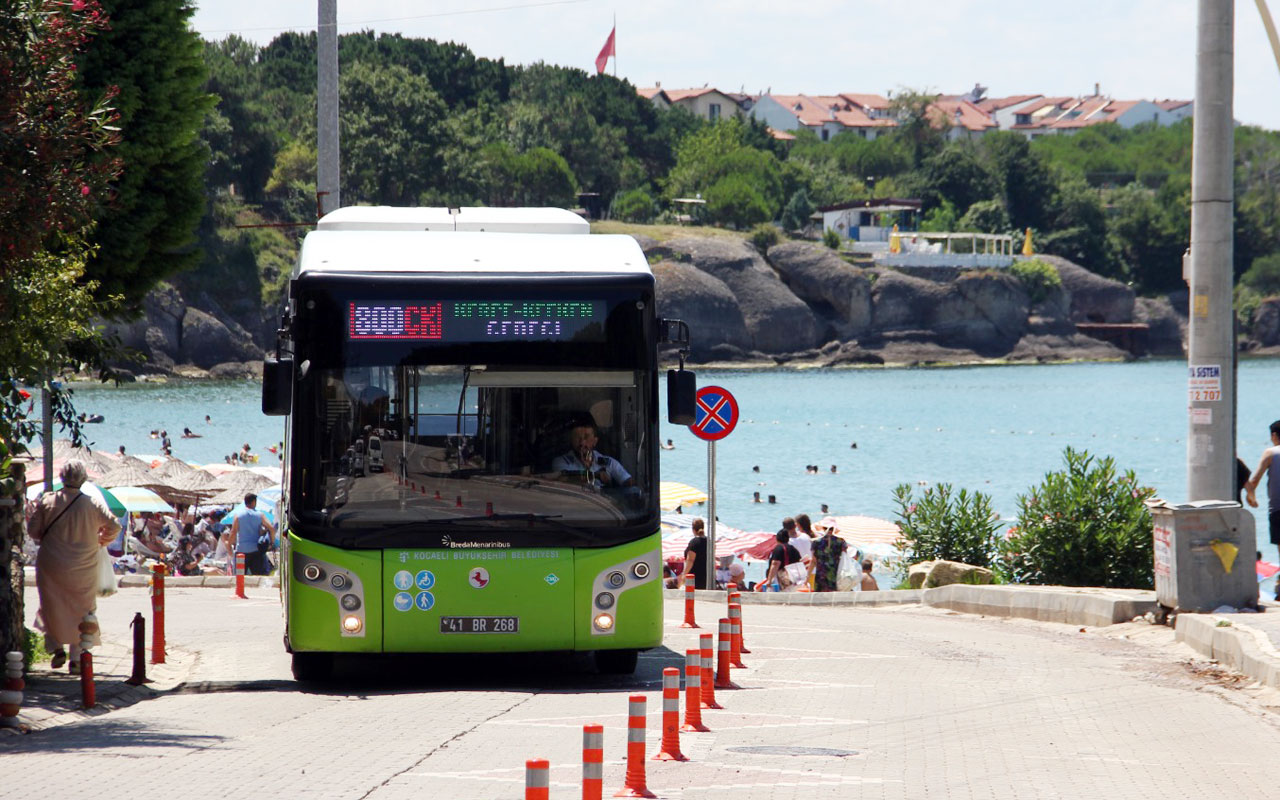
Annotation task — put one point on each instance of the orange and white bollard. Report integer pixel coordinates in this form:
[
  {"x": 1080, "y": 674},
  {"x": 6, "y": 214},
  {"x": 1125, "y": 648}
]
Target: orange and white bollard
[
  {"x": 736, "y": 597},
  {"x": 634, "y": 785},
  {"x": 693, "y": 692},
  {"x": 723, "y": 655},
  {"x": 537, "y": 779},
  {"x": 708, "y": 675},
  {"x": 735, "y": 631},
  {"x": 670, "y": 749},
  {"x": 240, "y": 577},
  {"x": 592, "y": 762},
  {"x": 688, "y": 603},
  {"x": 157, "y": 614}
]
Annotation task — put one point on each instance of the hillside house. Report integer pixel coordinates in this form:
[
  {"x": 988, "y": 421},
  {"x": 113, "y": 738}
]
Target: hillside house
[{"x": 707, "y": 103}]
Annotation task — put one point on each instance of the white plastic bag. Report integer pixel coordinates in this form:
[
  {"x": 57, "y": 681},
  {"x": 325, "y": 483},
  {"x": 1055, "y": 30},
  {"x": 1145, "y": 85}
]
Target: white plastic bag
[
  {"x": 106, "y": 574},
  {"x": 848, "y": 574}
]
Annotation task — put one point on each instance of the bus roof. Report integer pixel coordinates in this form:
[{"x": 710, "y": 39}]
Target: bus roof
[
  {"x": 416, "y": 251},
  {"x": 493, "y": 220}
]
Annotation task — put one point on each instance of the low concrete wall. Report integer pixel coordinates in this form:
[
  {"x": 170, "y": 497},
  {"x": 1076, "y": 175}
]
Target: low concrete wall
[
  {"x": 885, "y": 598},
  {"x": 1067, "y": 604}
]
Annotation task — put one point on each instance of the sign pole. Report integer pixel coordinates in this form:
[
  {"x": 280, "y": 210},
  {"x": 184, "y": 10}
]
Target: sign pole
[{"x": 710, "y": 566}]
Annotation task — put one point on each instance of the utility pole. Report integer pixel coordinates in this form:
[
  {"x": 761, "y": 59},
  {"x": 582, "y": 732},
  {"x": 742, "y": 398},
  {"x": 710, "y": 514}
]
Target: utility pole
[
  {"x": 1211, "y": 340},
  {"x": 327, "y": 146}
]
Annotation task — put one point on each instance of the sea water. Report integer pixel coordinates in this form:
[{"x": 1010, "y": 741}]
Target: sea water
[{"x": 993, "y": 429}]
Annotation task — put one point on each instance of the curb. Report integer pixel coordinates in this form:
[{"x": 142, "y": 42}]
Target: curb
[
  {"x": 1065, "y": 604},
  {"x": 1235, "y": 644},
  {"x": 871, "y": 599},
  {"x": 137, "y": 580}
]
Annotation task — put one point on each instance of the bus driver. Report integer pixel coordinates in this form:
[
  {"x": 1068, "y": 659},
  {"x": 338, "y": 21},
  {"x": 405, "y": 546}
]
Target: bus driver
[{"x": 582, "y": 461}]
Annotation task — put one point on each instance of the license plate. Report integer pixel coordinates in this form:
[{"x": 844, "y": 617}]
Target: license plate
[{"x": 479, "y": 624}]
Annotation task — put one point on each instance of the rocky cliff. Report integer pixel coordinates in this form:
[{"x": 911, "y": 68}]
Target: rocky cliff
[{"x": 799, "y": 302}]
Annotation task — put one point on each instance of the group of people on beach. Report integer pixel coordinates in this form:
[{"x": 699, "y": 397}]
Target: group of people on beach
[{"x": 805, "y": 557}]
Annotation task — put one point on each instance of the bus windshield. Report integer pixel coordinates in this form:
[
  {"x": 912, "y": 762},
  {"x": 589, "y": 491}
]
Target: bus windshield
[{"x": 470, "y": 452}]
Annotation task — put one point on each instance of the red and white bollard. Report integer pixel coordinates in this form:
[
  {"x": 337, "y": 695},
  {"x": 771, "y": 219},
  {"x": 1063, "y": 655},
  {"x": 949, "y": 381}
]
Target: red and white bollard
[
  {"x": 708, "y": 676},
  {"x": 688, "y": 603},
  {"x": 88, "y": 635},
  {"x": 723, "y": 654},
  {"x": 592, "y": 762},
  {"x": 670, "y": 748},
  {"x": 240, "y": 577},
  {"x": 157, "y": 613},
  {"x": 11, "y": 694},
  {"x": 736, "y": 597},
  {"x": 537, "y": 779},
  {"x": 735, "y": 630},
  {"x": 693, "y": 692},
  {"x": 634, "y": 785}
]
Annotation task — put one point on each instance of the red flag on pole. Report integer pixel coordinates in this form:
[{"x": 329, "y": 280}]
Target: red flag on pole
[{"x": 606, "y": 51}]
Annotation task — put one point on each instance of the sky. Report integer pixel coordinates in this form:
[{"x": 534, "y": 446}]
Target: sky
[{"x": 1133, "y": 49}]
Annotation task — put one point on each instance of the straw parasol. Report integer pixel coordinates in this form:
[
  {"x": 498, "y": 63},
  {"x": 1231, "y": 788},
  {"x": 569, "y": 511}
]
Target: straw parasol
[
  {"x": 235, "y": 485},
  {"x": 190, "y": 488},
  {"x": 130, "y": 475},
  {"x": 172, "y": 469}
]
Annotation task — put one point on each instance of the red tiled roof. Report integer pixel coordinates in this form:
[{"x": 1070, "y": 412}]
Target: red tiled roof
[
  {"x": 815, "y": 111},
  {"x": 677, "y": 95},
  {"x": 992, "y": 104},
  {"x": 970, "y": 117},
  {"x": 650, "y": 92},
  {"x": 1170, "y": 105},
  {"x": 875, "y": 101},
  {"x": 781, "y": 136}
]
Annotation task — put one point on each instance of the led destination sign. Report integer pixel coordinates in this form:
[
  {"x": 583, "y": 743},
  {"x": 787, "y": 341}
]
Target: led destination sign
[{"x": 478, "y": 320}]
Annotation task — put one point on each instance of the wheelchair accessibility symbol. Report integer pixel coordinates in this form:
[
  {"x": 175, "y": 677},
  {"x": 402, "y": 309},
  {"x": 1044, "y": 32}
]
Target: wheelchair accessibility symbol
[{"x": 425, "y": 580}]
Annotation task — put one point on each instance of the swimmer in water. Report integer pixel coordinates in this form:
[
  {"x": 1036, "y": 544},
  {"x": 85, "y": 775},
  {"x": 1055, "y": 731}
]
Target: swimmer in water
[{"x": 670, "y": 445}]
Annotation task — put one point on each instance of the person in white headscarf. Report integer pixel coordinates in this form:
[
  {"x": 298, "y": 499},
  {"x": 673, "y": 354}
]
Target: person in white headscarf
[{"x": 70, "y": 526}]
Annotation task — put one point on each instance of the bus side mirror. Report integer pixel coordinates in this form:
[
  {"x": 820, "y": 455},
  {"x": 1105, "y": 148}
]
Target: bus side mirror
[
  {"x": 277, "y": 386},
  {"x": 682, "y": 387}
]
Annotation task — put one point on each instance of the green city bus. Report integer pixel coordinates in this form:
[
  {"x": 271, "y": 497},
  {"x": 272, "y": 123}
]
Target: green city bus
[{"x": 472, "y": 437}]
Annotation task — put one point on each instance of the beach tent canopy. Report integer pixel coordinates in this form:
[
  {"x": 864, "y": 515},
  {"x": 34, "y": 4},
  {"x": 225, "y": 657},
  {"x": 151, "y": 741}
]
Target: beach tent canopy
[
  {"x": 677, "y": 530},
  {"x": 121, "y": 499}
]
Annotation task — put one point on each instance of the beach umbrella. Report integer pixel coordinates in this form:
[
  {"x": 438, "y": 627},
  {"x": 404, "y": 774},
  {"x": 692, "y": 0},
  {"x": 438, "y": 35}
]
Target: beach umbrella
[
  {"x": 117, "y": 508},
  {"x": 129, "y": 475},
  {"x": 276, "y": 474},
  {"x": 172, "y": 468},
  {"x": 1265, "y": 570},
  {"x": 672, "y": 495},
  {"x": 244, "y": 481},
  {"x": 677, "y": 530},
  {"x": 136, "y": 500},
  {"x": 218, "y": 470}
]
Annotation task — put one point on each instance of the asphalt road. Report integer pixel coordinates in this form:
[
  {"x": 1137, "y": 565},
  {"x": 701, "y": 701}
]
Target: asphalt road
[{"x": 906, "y": 702}]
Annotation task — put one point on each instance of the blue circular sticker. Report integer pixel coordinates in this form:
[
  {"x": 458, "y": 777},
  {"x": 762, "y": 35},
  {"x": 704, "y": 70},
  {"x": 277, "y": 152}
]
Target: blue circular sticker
[
  {"x": 403, "y": 601},
  {"x": 403, "y": 579},
  {"x": 425, "y": 580},
  {"x": 424, "y": 601}
]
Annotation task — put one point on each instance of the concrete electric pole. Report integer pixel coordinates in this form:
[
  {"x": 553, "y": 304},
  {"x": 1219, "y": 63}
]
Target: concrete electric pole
[
  {"x": 328, "y": 153},
  {"x": 1211, "y": 340}
]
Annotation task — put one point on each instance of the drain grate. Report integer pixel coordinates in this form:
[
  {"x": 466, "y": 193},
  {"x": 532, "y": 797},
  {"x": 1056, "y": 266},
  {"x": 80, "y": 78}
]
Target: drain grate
[{"x": 771, "y": 750}]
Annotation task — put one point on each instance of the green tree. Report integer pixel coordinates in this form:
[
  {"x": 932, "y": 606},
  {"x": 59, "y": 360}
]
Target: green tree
[
  {"x": 1025, "y": 181},
  {"x": 241, "y": 133},
  {"x": 391, "y": 144},
  {"x": 918, "y": 131},
  {"x": 734, "y": 200},
  {"x": 946, "y": 525},
  {"x": 635, "y": 205},
  {"x": 986, "y": 216},
  {"x": 1078, "y": 228},
  {"x": 153, "y": 56},
  {"x": 795, "y": 216},
  {"x": 543, "y": 178},
  {"x": 1149, "y": 236},
  {"x": 955, "y": 174},
  {"x": 56, "y": 160}
]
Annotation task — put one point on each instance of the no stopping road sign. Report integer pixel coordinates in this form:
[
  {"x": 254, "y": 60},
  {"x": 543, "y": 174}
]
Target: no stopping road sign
[{"x": 715, "y": 413}]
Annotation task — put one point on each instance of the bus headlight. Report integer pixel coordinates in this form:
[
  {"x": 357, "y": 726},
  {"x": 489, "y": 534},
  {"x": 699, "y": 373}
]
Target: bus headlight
[
  {"x": 351, "y": 623},
  {"x": 616, "y": 579},
  {"x": 604, "y": 622},
  {"x": 312, "y": 572},
  {"x": 604, "y": 600},
  {"x": 640, "y": 569},
  {"x": 350, "y": 602}
]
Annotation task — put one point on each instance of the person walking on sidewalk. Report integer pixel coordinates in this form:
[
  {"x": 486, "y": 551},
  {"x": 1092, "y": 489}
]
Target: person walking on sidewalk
[
  {"x": 1269, "y": 464},
  {"x": 695, "y": 557},
  {"x": 825, "y": 564},
  {"x": 70, "y": 526},
  {"x": 247, "y": 537}
]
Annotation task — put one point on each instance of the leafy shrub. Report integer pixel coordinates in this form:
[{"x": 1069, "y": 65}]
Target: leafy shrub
[
  {"x": 1038, "y": 277},
  {"x": 1263, "y": 275},
  {"x": 945, "y": 525},
  {"x": 732, "y": 200},
  {"x": 1082, "y": 526},
  {"x": 986, "y": 216},
  {"x": 831, "y": 239},
  {"x": 764, "y": 236},
  {"x": 634, "y": 206},
  {"x": 33, "y": 649}
]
